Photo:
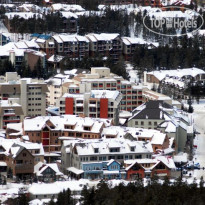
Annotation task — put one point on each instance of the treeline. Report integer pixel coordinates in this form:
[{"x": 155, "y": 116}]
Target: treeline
[
  {"x": 50, "y": 23},
  {"x": 119, "y": 68},
  {"x": 110, "y": 22},
  {"x": 184, "y": 52},
  {"x": 155, "y": 193},
  {"x": 24, "y": 70}
]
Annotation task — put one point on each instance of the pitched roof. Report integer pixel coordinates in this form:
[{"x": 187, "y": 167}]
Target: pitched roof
[{"x": 152, "y": 110}]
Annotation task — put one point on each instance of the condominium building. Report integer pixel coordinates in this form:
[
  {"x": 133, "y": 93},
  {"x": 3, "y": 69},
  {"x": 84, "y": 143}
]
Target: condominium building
[
  {"x": 95, "y": 104},
  {"x": 73, "y": 46},
  {"x": 48, "y": 129},
  {"x": 45, "y": 42},
  {"x": 101, "y": 79},
  {"x": 94, "y": 152},
  {"x": 58, "y": 85},
  {"x": 105, "y": 44},
  {"x": 10, "y": 112},
  {"x": 32, "y": 93}
]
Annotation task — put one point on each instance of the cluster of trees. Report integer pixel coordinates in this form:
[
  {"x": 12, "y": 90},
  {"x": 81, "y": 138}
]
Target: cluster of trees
[
  {"x": 50, "y": 23},
  {"x": 184, "y": 52},
  {"x": 24, "y": 70},
  {"x": 119, "y": 68},
  {"x": 109, "y": 22},
  {"x": 167, "y": 192},
  {"x": 168, "y": 27},
  {"x": 178, "y": 193}
]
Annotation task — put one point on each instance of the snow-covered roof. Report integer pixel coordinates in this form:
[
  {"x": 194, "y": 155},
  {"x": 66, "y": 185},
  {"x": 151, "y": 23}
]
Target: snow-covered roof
[
  {"x": 25, "y": 15},
  {"x": 14, "y": 145},
  {"x": 158, "y": 138},
  {"x": 168, "y": 161},
  {"x": 59, "y": 123},
  {"x": 57, "y": 187},
  {"x": 39, "y": 171},
  {"x": 169, "y": 126},
  {"x": 56, "y": 58},
  {"x": 68, "y": 14},
  {"x": 161, "y": 74},
  {"x": 67, "y": 7},
  {"x": 104, "y": 146},
  {"x": 75, "y": 170},
  {"x": 60, "y": 38}
]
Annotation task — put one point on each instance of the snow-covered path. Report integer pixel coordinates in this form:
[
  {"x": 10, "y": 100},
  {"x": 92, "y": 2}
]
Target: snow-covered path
[
  {"x": 199, "y": 121},
  {"x": 3, "y": 28}
]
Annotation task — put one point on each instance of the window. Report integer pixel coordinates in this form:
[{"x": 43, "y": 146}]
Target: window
[
  {"x": 24, "y": 154},
  {"x": 96, "y": 150},
  {"x": 120, "y": 157},
  {"x": 139, "y": 156},
  {"x": 142, "y": 122},
  {"x": 155, "y": 123},
  {"x": 150, "y": 123},
  {"x": 136, "y": 122},
  {"x": 93, "y": 158},
  {"x": 114, "y": 149}
]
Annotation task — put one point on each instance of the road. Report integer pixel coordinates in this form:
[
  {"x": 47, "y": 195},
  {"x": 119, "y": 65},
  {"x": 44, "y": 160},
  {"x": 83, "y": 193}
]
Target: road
[
  {"x": 199, "y": 121},
  {"x": 3, "y": 28}
]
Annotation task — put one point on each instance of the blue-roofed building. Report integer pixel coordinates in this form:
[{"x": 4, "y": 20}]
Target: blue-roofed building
[{"x": 45, "y": 42}]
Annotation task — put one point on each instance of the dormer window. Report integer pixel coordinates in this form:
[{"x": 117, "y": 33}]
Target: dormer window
[
  {"x": 132, "y": 149},
  {"x": 87, "y": 128},
  {"x": 71, "y": 127},
  {"x": 116, "y": 149},
  {"x": 96, "y": 150}
]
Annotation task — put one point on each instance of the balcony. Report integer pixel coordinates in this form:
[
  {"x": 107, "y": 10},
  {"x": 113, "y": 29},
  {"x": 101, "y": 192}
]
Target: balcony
[
  {"x": 79, "y": 105},
  {"x": 9, "y": 112},
  {"x": 24, "y": 168}
]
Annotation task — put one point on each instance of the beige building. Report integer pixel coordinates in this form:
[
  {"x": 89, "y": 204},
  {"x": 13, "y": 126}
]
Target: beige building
[
  {"x": 32, "y": 93},
  {"x": 101, "y": 78},
  {"x": 95, "y": 104},
  {"x": 10, "y": 112}
]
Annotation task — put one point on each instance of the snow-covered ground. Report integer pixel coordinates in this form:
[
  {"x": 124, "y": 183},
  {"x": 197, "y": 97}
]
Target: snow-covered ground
[
  {"x": 199, "y": 121},
  {"x": 133, "y": 76},
  {"x": 3, "y": 28}
]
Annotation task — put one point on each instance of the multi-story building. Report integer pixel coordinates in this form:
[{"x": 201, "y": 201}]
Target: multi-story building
[
  {"x": 130, "y": 45},
  {"x": 45, "y": 42},
  {"x": 101, "y": 79},
  {"x": 47, "y": 130},
  {"x": 60, "y": 84},
  {"x": 69, "y": 22},
  {"x": 161, "y": 166},
  {"x": 10, "y": 112},
  {"x": 21, "y": 156},
  {"x": 32, "y": 93},
  {"x": 96, "y": 104},
  {"x": 20, "y": 51},
  {"x": 89, "y": 154},
  {"x": 20, "y": 161},
  {"x": 105, "y": 44},
  {"x": 162, "y": 116},
  {"x": 73, "y": 46}
]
